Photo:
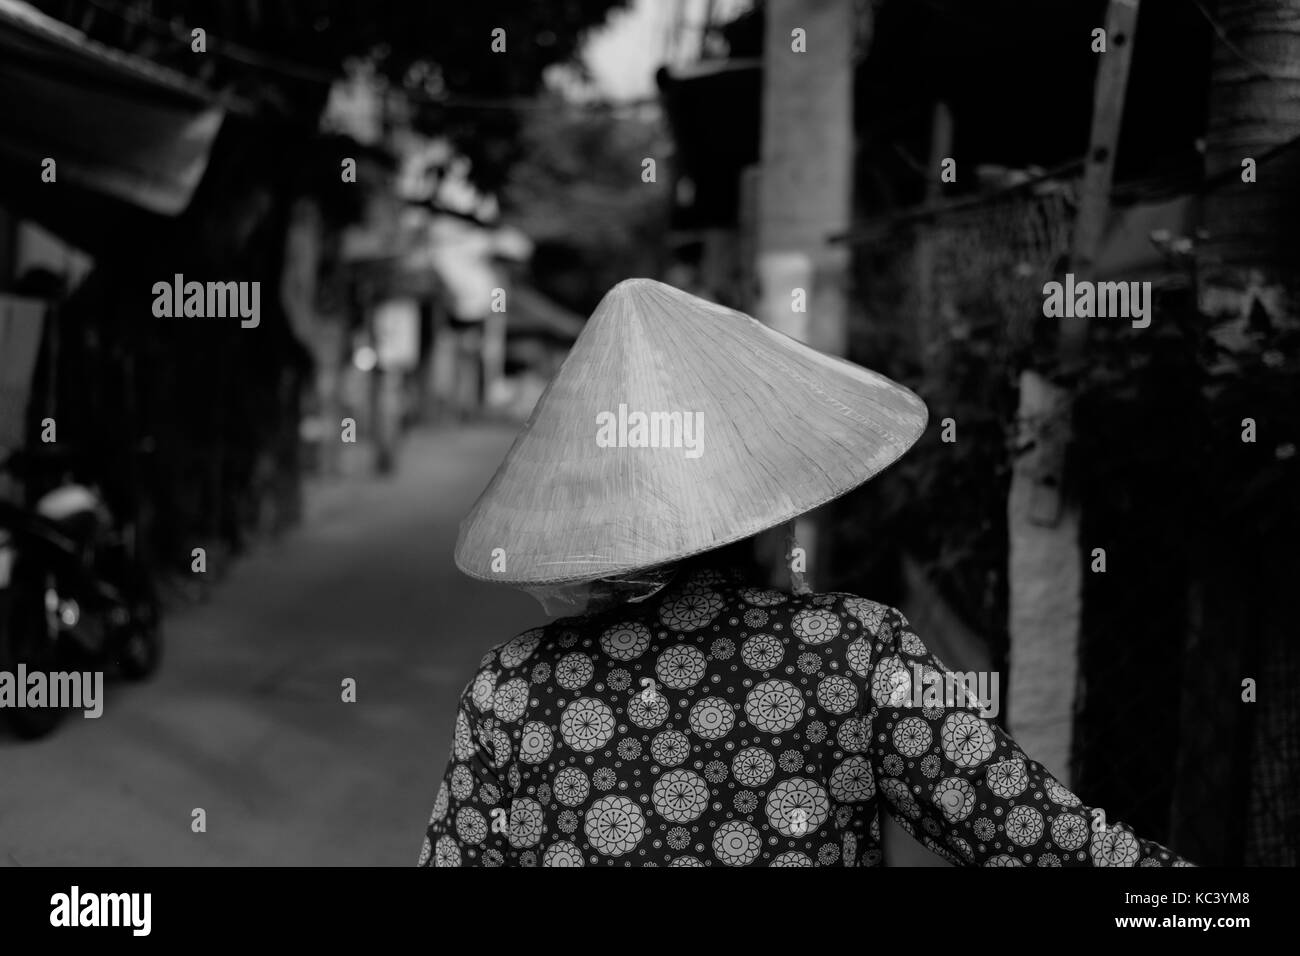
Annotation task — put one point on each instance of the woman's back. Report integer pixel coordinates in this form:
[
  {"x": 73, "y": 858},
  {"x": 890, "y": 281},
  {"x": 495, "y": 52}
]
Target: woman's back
[{"x": 718, "y": 724}]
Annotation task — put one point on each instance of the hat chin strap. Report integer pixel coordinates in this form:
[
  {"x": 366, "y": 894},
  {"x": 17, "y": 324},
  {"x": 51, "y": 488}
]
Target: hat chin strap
[
  {"x": 593, "y": 597},
  {"x": 584, "y": 598},
  {"x": 798, "y": 579}
]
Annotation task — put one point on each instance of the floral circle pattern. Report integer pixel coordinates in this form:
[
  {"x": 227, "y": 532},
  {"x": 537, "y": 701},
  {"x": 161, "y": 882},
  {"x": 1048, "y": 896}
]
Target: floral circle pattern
[
  {"x": 774, "y": 706},
  {"x": 891, "y": 683},
  {"x": 695, "y": 608},
  {"x": 718, "y": 725},
  {"x": 499, "y": 746},
  {"x": 868, "y": 613},
  {"x": 967, "y": 740},
  {"x": 797, "y": 807},
  {"x": 1115, "y": 846},
  {"x": 712, "y": 718},
  {"x": 912, "y": 736},
  {"x": 858, "y": 657},
  {"x": 446, "y": 852},
  {"x": 614, "y": 825},
  {"x": 485, "y": 685},
  {"x": 670, "y": 748},
  {"x": 762, "y": 597},
  {"x": 955, "y": 798},
  {"x": 521, "y": 648},
  {"x": 737, "y": 843},
  {"x": 1059, "y": 794},
  {"x": 837, "y": 694},
  {"x": 563, "y": 853},
  {"x": 815, "y": 626},
  {"x": 625, "y": 642},
  {"x": 1007, "y": 778},
  {"x": 647, "y": 712},
  {"x": 440, "y": 803},
  {"x": 587, "y": 724},
  {"x": 753, "y": 766},
  {"x": 852, "y": 781},
  {"x": 511, "y": 700},
  {"x": 573, "y": 671},
  {"x": 1024, "y": 825},
  {"x": 571, "y": 787},
  {"x": 536, "y": 742},
  {"x": 681, "y": 666},
  {"x": 680, "y": 796},
  {"x": 470, "y": 825},
  {"x": 462, "y": 742},
  {"x": 462, "y": 781},
  {"x": 912, "y": 645},
  {"x": 525, "y": 822},
  {"x": 762, "y": 652},
  {"x": 854, "y": 735}
]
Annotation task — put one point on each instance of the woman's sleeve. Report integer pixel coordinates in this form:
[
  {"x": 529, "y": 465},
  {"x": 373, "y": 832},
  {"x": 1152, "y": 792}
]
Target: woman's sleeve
[
  {"x": 469, "y": 824},
  {"x": 958, "y": 783}
]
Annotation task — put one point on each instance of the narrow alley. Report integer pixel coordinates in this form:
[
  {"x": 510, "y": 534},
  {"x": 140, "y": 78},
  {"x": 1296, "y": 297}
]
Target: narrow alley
[{"x": 245, "y": 719}]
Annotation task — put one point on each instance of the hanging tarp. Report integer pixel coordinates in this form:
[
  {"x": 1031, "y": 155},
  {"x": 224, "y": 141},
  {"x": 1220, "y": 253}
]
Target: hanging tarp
[{"x": 115, "y": 125}]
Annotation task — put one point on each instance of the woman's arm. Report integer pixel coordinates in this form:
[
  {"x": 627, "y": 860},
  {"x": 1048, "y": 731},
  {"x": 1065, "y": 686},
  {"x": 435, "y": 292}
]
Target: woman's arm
[
  {"x": 959, "y": 783},
  {"x": 469, "y": 825}
]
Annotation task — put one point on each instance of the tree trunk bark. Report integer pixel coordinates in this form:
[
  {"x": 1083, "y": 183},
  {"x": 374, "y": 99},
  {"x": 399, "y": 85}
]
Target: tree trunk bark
[
  {"x": 1250, "y": 257},
  {"x": 1254, "y": 106}
]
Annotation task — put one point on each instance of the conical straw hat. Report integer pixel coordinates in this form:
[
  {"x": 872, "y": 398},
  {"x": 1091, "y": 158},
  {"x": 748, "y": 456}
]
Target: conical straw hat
[{"x": 765, "y": 429}]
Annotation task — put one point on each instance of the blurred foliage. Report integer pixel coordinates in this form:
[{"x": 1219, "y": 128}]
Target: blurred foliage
[
  {"x": 282, "y": 55},
  {"x": 943, "y": 503},
  {"x": 1199, "y": 529},
  {"x": 1156, "y": 457},
  {"x": 1181, "y": 391},
  {"x": 577, "y": 191}
]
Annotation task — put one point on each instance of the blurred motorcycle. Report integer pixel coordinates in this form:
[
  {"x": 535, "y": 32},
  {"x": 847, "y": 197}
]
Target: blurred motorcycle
[{"x": 74, "y": 594}]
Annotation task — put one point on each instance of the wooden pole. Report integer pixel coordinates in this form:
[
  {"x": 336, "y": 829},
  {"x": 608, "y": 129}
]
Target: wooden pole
[
  {"x": 1045, "y": 565},
  {"x": 1099, "y": 165}
]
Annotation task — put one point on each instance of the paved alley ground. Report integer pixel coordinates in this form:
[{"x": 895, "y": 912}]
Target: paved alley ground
[{"x": 245, "y": 718}]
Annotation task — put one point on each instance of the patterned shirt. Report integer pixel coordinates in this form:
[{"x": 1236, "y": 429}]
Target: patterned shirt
[{"x": 722, "y": 725}]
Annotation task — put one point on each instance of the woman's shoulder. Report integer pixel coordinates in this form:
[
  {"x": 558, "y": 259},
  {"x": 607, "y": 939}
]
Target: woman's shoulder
[
  {"x": 516, "y": 652},
  {"x": 807, "y": 609},
  {"x": 543, "y": 643},
  {"x": 810, "y": 617},
  {"x": 872, "y": 615}
]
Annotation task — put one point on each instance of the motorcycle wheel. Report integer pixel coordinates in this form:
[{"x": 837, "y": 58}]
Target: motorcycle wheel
[{"x": 25, "y": 638}]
